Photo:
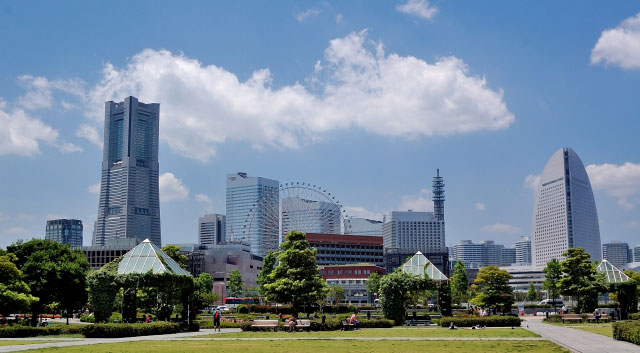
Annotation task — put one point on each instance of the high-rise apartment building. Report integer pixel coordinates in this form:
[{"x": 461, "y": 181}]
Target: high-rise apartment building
[
  {"x": 636, "y": 253},
  {"x": 253, "y": 212},
  {"x": 129, "y": 206},
  {"x": 487, "y": 253},
  {"x": 211, "y": 229},
  {"x": 65, "y": 231},
  {"x": 310, "y": 216},
  {"x": 413, "y": 231},
  {"x": 564, "y": 212},
  {"x": 523, "y": 251},
  {"x": 364, "y": 226},
  {"x": 617, "y": 253},
  {"x": 508, "y": 256}
]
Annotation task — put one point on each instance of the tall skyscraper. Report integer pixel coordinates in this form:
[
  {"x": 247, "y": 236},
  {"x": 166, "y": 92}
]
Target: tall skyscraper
[
  {"x": 253, "y": 212},
  {"x": 617, "y": 253},
  {"x": 523, "y": 251},
  {"x": 211, "y": 229},
  {"x": 129, "y": 205},
  {"x": 65, "y": 231},
  {"x": 311, "y": 216},
  {"x": 564, "y": 212}
]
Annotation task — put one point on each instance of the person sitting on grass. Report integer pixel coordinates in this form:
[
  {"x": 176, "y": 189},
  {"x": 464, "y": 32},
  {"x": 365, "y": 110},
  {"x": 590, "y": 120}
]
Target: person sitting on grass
[{"x": 293, "y": 320}]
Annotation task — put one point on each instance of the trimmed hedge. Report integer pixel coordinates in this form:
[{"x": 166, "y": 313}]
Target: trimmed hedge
[
  {"x": 489, "y": 321},
  {"x": 329, "y": 325},
  {"x": 207, "y": 324},
  {"x": 634, "y": 316},
  {"x": 130, "y": 330},
  {"x": 17, "y": 331},
  {"x": 627, "y": 331},
  {"x": 286, "y": 309}
]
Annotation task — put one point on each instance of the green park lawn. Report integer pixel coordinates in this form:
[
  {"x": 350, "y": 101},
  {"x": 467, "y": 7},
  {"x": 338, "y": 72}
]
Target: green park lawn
[
  {"x": 286, "y": 346},
  {"x": 389, "y": 332},
  {"x": 601, "y": 329},
  {"x": 13, "y": 343}
]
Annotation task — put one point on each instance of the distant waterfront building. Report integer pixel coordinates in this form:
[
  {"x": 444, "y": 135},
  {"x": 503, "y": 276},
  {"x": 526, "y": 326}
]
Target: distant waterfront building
[
  {"x": 564, "y": 212},
  {"x": 211, "y": 229},
  {"x": 636, "y": 253},
  {"x": 365, "y": 226},
  {"x": 352, "y": 278},
  {"x": 617, "y": 253},
  {"x": 523, "y": 251},
  {"x": 65, "y": 231},
  {"x": 253, "y": 212},
  {"x": 311, "y": 215},
  {"x": 521, "y": 276},
  {"x": 338, "y": 249},
  {"x": 129, "y": 206},
  {"x": 487, "y": 253}
]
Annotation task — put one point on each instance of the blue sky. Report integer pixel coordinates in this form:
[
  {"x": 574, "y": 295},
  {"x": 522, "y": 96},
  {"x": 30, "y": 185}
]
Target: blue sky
[{"x": 366, "y": 98}]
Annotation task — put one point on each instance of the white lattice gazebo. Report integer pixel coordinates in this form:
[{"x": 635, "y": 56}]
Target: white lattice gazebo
[{"x": 612, "y": 273}]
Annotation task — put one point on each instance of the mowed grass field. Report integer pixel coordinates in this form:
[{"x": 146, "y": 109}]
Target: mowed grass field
[
  {"x": 303, "y": 346},
  {"x": 13, "y": 343},
  {"x": 389, "y": 332}
]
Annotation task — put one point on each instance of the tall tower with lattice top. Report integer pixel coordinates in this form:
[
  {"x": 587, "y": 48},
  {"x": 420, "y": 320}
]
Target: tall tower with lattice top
[{"x": 438, "y": 196}]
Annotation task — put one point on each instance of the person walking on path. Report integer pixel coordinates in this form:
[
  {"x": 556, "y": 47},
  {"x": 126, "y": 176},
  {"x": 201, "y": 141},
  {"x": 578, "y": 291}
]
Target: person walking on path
[{"x": 216, "y": 319}]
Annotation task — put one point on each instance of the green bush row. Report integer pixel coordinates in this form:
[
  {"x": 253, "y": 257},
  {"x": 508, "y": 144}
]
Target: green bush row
[
  {"x": 488, "y": 321},
  {"x": 87, "y": 318},
  {"x": 286, "y": 309},
  {"x": 17, "y": 331},
  {"x": 329, "y": 325},
  {"x": 634, "y": 316},
  {"x": 627, "y": 331},
  {"x": 129, "y": 330},
  {"x": 207, "y": 324}
]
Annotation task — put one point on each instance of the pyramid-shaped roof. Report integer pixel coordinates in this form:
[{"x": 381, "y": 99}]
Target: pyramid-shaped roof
[
  {"x": 146, "y": 257},
  {"x": 611, "y": 273},
  {"x": 419, "y": 265}
]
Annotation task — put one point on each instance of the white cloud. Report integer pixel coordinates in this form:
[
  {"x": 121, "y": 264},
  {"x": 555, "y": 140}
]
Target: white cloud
[
  {"x": 16, "y": 230},
  {"x": 339, "y": 18},
  {"x": 619, "y": 181},
  {"x": 361, "y": 212},
  {"x": 421, "y": 202},
  {"x": 172, "y": 188},
  {"x": 532, "y": 181},
  {"x": 355, "y": 85},
  {"x": 206, "y": 200},
  {"x": 632, "y": 225},
  {"x": 502, "y": 228},
  {"x": 39, "y": 93},
  {"x": 480, "y": 206},
  {"x": 90, "y": 133},
  {"x": 25, "y": 216},
  {"x": 94, "y": 188},
  {"x": 619, "y": 46},
  {"x": 21, "y": 134},
  {"x": 307, "y": 14},
  {"x": 418, "y": 8}
]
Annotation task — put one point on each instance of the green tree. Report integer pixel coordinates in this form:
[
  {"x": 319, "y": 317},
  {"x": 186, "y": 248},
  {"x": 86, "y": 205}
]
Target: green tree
[
  {"x": 373, "y": 284},
  {"x": 459, "y": 282},
  {"x": 398, "y": 290},
  {"x": 492, "y": 289},
  {"x": 296, "y": 279},
  {"x": 531, "y": 293},
  {"x": 553, "y": 275},
  {"x": 54, "y": 272},
  {"x": 103, "y": 288},
  {"x": 203, "y": 293},
  {"x": 580, "y": 279},
  {"x": 268, "y": 265},
  {"x": 173, "y": 251},
  {"x": 335, "y": 295},
  {"x": 235, "y": 283},
  {"x": 14, "y": 292}
]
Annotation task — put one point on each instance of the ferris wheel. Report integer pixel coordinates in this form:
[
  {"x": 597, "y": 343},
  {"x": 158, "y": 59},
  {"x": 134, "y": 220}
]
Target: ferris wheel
[{"x": 297, "y": 206}]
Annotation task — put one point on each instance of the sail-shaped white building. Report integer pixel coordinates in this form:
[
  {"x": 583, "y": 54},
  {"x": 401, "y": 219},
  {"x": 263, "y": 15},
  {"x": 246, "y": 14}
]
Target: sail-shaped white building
[{"x": 564, "y": 211}]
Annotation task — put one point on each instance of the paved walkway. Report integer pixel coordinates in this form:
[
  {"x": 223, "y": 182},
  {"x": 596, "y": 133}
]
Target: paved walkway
[{"x": 578, "y": 340}]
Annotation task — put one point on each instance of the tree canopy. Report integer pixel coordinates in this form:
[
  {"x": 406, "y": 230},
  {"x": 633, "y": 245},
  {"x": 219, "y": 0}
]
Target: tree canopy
[
  {"x": 531, "y": 293},
  {"x": 235, "y": 283},
  {"x": 398, "y": 290},
  {"x": 296, "y": 279},
  {"x": 492, "y": 289},
  {"x": 203, "y": 294},
  {"x": 14, "y": 292},
  {"x": 268, "y": 265},
  {"x": 173, "y": 251},
  {"x": 553, "y": 274},
  {"x": 459, "y": 282},
  {"x": 54, "y": 272},
  {"x": 580, "y": 279},
  {"x": 335, "y": 294}
]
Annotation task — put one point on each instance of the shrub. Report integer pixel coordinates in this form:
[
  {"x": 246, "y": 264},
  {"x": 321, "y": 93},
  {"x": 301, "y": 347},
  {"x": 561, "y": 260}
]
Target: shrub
[
  {"x": 489, "y": 321},
  {"x": 243, "y": 309},
  {"x": 634, "y": 316},
  {"x": 87, "y": 318},
  {"x": 129, "y": 330},
  {"x": 627, "y": 331},
  {"x": 115, "y": 317},
  {"x": 208, "y": 324},
  {"x": 17, "y": 331}
]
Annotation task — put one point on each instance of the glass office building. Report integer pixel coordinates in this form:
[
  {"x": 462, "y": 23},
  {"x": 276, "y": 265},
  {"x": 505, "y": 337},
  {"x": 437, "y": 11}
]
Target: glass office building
[{"x": 65, "y": 231}]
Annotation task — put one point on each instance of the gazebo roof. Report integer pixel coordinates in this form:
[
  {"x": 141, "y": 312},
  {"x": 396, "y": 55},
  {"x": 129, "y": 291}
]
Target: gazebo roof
[
  {"x": 146, "y": 257},
  {"x": 419, "y": 265},
  {"x": 611, "y": 273}
]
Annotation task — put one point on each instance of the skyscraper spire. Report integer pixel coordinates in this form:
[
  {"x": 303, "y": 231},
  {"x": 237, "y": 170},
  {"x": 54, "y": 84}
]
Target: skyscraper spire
[{"x": 438, "y": 196}]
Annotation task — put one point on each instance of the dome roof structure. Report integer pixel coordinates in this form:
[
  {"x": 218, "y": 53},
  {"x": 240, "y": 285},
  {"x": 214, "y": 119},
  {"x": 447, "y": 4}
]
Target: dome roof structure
[{"x": 146, "y": 257}]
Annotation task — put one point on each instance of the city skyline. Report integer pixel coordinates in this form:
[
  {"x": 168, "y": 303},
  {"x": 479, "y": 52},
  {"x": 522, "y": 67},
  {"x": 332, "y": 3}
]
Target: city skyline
[{"x": 558, "y": 72}]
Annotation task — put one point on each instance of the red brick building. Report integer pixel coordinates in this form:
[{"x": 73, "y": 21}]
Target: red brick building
[{"x": 353, "y": 278}]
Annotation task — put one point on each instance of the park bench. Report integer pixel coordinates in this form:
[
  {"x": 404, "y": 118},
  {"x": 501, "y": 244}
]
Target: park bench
[
  {"x": 265, "y": 323},
  {"x": 346, "y": 325},
  {"x": 303, "y": 324},
  {"x": 571, "y": 317},
  {"x": 603, "y": 317}
]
